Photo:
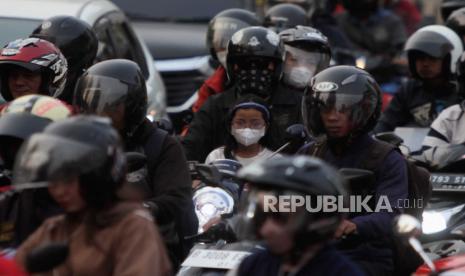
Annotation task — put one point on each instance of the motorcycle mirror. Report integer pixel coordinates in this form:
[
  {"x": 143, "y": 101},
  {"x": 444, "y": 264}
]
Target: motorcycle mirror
[
  {"x": 47, "y": 257},
  {"x": 406, "y": 226},
  {"x": 409, "y": 228},
  {"x": 208, "y": 174},
  {"x": 135, "y": 161},
  {"x": 389, "y": 137},
  {"x": 296, "y": 131},
  {"x": 358, "y": 180}
]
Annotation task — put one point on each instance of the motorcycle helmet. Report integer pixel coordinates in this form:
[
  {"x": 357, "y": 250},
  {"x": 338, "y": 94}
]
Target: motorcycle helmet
[
  {"x": 34, "y": 55},
  {"x": 284, "y": 16},
  {"x": 222, "y": 27},
  {"x": 347, "y": 89},
  {"x": 25, "y": 116},
  {"x": 307, "y": 53},
  {"x": 449, "y": 6},
  {"x": 436, "y": 41},
  {"x": 361, "y": 8},
  {"x": 76, "y": 40},
  {"x": 87, "y": 147},
  {"x": 113, "y": 87},
  {"x": 290, "y": 176},
  {"x": 254, "y": 60},
  {"x": 456, "y": 21}
]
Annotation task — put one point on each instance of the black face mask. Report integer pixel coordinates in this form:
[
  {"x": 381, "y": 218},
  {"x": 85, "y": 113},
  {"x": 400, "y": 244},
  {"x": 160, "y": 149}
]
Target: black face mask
[{"x": 255, "y": 78}]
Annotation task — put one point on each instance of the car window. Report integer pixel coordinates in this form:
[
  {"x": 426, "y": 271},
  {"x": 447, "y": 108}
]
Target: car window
[
  {"x": 117, "y": 40},
  {"x": 22, "y": 28},
  {"x": 178, "y": 10}
]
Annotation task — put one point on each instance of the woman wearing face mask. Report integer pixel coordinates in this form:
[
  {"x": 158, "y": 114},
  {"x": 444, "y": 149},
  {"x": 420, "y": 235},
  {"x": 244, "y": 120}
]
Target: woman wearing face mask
[
  {"x": 247, "y": 140},
  {"x": 307, "y": 53}
]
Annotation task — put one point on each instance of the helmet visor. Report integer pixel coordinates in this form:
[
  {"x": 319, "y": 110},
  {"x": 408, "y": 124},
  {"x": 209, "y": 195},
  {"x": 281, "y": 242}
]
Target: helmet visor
[
  {"x": 100, "y": 95},
  {"x": 46, "y": 158},
  {"x": 301, "y": 65},
  {"x": 223, "y": 30}
]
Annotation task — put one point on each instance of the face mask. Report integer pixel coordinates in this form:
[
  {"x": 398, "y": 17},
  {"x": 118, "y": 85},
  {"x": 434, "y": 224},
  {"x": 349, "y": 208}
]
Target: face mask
[
  {"x": 298, "y": 77},
  {"x": 222, "y": 58},
  {"x": 248, "y": 136}
]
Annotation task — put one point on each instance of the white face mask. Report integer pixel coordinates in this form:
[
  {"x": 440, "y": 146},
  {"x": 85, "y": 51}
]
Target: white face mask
[
  {"x": 222, "y": 58},
  {"x": 298, "y": 77},
  {"x": 248, "y": 136}
]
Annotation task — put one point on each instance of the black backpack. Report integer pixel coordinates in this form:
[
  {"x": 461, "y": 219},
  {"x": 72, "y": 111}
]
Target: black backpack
[{"x": 419, "y": 185}]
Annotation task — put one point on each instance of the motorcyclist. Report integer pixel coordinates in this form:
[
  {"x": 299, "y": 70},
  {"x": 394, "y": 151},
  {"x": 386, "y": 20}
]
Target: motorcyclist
[
  {"x": 456, "y": 21},
  {"x": 378, "y": 36},
  {"x": 22, "y": 213},
  {"x": 78, "y": 43},
  {"x": 307, "y": 53},
  {"x": 81, "y": 160},
  {"x": 432, "y": 55},
  {"x": 339, "y": 110},
  {"x": 284, "y": 16},
  {"x": 220, "y": 30},
  {"x": 254, "y": 66},
  {"x": 449, "y": 6},
  {"x": 446, "y": 133},
  {"x": 116, "y": 88},
  {"x": 31, "y": 66},
  {"x": 297, "y": 243}
]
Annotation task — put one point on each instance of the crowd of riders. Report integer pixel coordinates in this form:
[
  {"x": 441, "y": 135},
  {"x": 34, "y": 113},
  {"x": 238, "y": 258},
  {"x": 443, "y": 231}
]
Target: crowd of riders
[{"x": 298, "y": 92}]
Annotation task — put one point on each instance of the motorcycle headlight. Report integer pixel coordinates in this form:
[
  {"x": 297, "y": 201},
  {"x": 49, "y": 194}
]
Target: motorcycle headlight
[
  {"x": 436, "y": 221},
  {"x": 211, "y": 202}
]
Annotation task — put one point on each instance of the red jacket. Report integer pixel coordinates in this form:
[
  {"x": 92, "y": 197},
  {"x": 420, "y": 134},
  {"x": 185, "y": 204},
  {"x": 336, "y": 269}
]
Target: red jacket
[{"x": 215, "y": 84}]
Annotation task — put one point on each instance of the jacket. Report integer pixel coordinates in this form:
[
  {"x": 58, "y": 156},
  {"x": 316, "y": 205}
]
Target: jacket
[
  {"x": 374, "y": 229},
  {"x": 127, "y": 244},
  {"x": 208, "y": 129},
  {"x": 327, "y": 262},
  {"x": 170, "y": 186},
  {"x": 215, "y": 84},
  {"x": 416, "y": 105}
]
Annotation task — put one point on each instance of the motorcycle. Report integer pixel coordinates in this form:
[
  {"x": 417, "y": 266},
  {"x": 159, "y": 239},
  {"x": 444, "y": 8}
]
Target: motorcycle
[{"x": 408, "y": 229}]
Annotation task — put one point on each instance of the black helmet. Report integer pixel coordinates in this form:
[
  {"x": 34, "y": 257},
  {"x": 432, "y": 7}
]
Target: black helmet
[
  {"x": 436, "y": 41},
  {"x": 307, "y": 53},
  {"x": 456, "y": 21},
  {"x": 285, "y": 16},
  {"x": 345, "y": 88},
  {"x": 109, "y": 85},
  {"x": 252, "y": 49},
  {"x": 448, "y": 6},
  {"x": 312, "y": 7},
  {"x": 76, "y": 41},
  {"x": 361, "y": 8},
  {"x": 84, "y": 146},
  {"x": 299, "y": 175},
  {"x": 222, "y": 27},
  {"x": 25, "y": 116}
]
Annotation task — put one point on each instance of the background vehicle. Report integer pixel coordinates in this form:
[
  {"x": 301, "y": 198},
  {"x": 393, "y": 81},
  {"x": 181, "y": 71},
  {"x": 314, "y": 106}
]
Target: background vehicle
[
  {"x": 114, "y": 32},
  {"x": 175, "y": 32}
]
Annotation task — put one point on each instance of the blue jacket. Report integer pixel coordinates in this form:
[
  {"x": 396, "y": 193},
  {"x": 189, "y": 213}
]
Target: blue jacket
[{"x": 327, "y": 262}]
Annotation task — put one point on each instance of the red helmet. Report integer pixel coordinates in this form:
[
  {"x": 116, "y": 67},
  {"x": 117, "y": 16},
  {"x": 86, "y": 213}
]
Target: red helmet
[{"x": 34, "y": 55}]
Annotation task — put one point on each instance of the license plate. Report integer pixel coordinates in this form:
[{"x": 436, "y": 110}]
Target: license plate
[
  {"x": 447, "y": 182},
  {"x": 219, "y": 259}
]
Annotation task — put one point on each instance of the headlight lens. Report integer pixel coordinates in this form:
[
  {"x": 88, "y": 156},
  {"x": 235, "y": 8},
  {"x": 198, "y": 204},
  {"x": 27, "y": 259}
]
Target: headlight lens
[{"x": 436, "y": 221}]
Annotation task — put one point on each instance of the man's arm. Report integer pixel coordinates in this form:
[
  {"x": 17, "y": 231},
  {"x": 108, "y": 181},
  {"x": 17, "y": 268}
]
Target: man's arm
[{"x": 393, "y": 185}]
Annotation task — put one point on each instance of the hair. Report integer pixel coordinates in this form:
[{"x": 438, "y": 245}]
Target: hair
[{"x": 230, "y": 142}]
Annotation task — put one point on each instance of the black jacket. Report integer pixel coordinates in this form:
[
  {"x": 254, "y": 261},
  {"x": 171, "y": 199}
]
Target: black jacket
[
  {"x": 171, "y": 191},
  {"x": 208, "y": 129},
  {"x": 415, "y": 105}
]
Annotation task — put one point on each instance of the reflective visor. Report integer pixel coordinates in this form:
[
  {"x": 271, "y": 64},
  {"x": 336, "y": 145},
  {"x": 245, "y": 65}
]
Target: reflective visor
[
  {"x": 313, "y": 60},
  {"x": 45, "y": 157},
  {"x": 98, "y": 94},
  {"x": 328, "y": 101},
  {"x": 224, "y": 28}
]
